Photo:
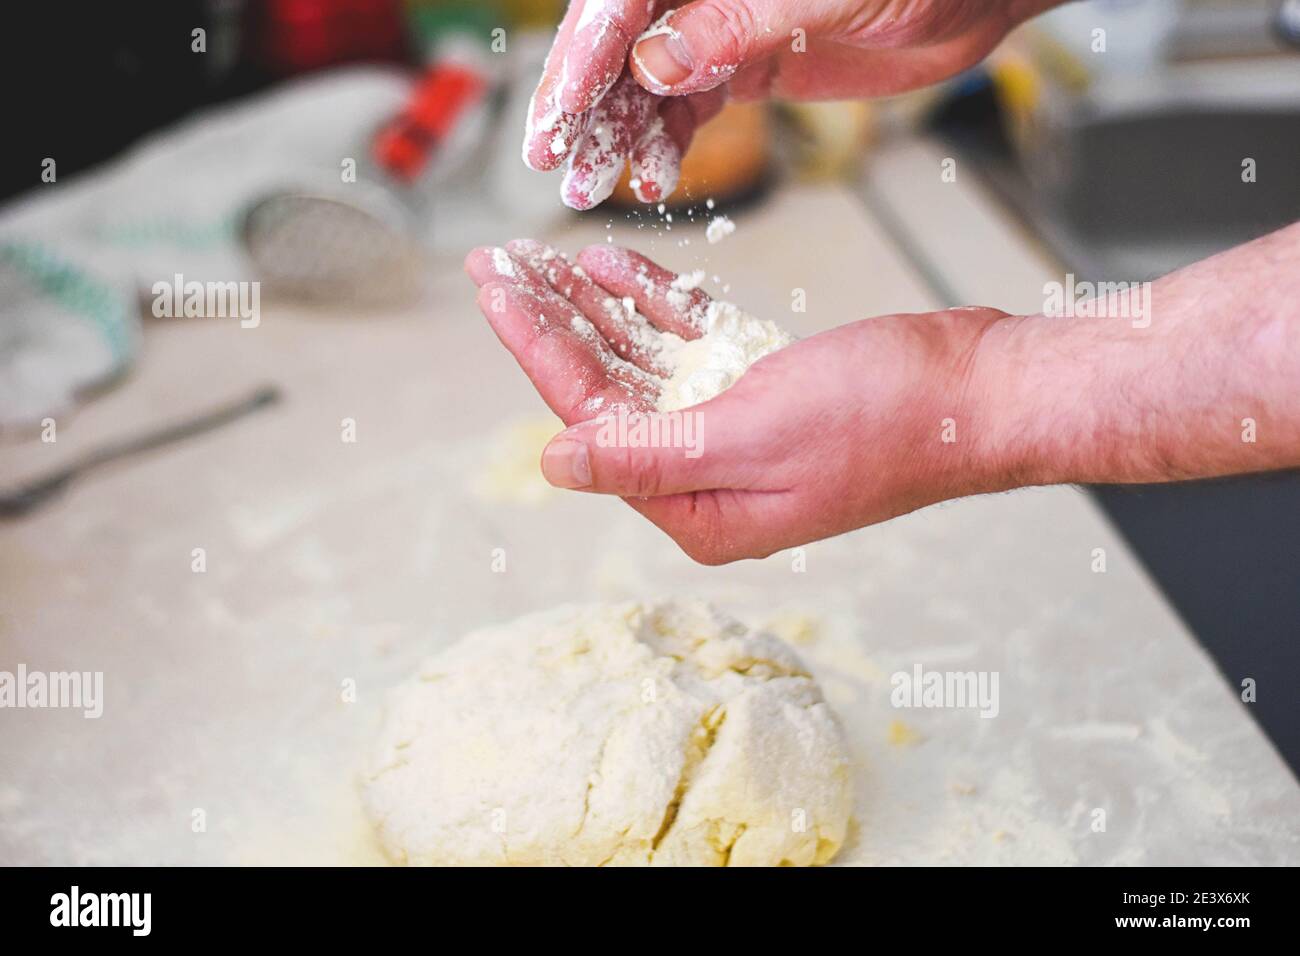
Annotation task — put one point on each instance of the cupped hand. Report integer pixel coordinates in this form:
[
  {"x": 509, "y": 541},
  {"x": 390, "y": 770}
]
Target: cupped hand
[
  {"x": 843, "y": 429},
  {"x": 631, "y": 80}
]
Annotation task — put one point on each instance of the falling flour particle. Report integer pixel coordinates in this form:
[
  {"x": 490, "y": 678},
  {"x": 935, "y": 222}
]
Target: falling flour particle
[{"x": 719, "y": 228}]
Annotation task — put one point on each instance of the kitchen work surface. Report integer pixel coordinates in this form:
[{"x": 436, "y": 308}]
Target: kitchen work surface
[{"x": 239, "y": 701}]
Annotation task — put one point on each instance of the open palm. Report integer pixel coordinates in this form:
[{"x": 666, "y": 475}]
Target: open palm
[{"x": 831, "y": 433}]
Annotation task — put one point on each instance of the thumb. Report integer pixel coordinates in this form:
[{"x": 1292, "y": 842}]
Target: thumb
[
  {"x": 701, "y": 45},
  {"x": 644, "y": 454}
]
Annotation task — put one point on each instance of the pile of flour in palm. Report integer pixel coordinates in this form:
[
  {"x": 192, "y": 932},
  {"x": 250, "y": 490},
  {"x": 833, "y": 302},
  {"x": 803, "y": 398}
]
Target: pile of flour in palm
[
  {"x": 612, "y": 734},
  {"x": 697, "y": 370}
]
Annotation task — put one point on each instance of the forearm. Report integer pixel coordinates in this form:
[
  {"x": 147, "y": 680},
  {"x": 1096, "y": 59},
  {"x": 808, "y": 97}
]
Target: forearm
[{"x": 1208, "y": 384}]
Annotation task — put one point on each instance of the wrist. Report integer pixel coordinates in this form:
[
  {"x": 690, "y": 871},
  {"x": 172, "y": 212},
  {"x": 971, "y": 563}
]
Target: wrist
[
  {"x": 1048, "y": 392},
  {"x": 966, "y": 423},
  {"x": 1107, "y": 401}
]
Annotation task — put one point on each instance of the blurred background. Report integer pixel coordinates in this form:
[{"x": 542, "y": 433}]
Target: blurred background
[{"x": 208, "y": 137}]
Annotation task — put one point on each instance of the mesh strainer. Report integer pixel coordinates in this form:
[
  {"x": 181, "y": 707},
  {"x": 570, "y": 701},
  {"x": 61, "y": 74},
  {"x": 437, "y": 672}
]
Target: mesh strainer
[{"x": 353, "y": 245}]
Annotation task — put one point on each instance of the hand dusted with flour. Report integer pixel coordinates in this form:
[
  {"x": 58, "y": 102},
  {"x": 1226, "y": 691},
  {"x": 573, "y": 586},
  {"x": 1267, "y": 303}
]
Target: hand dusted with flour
[
  {"x": 666, "y": 343},
  {"x": 591, "y": 116},
  {"x": 871, "y": 420},
  {"x": 817, "y": 437},
  {"x": 686, "y": 57}
]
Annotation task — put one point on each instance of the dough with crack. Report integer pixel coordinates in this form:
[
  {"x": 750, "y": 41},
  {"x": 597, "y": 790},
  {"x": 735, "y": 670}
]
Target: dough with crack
[{"x": 611, "y": 734}]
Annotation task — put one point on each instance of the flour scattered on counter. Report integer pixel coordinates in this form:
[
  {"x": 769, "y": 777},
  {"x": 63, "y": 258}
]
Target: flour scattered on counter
[
  {"x": 513, "y": 451},
  {"x": 900, "y": 734},
  {"x": 720, "y": 227}
]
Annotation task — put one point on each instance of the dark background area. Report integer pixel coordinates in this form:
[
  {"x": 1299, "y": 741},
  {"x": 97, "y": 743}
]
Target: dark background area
[
  {"x": 97, "y": 77},
  {"x": 88, "y": 79},
  {"x": 1227, "y": 555}
]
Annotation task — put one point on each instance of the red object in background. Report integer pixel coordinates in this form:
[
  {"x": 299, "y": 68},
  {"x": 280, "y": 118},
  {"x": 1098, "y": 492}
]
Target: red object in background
[
  {"x": 298, "y": 35},
  {"x": 447, "y": 92}
]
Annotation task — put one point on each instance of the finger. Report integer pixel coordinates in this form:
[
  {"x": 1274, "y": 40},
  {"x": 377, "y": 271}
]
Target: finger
[
  {"x": 626, "y": 330},
  {"x": 567, "y": 362},
  {"x": 617, "y": 122},
  {"x": 838, "y": 71},
  {"x": 595, "y": 57},
  {"x": 550, "y": 131},
  {"x": 671, "y": 302},
  {"x": 657, "y": 156},
  {"x": 651, "y": 454},
  {"x": 550, "y": 134},
  {"x": 497, "y": 265},
  {"x": 701, "y": 45},
  {"x": 656, "y": 161},
  {"x": 494, "y": 264}
]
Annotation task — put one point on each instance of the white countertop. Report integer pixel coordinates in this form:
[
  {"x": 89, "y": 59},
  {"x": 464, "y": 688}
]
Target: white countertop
[{"x": 330, "y": 562}]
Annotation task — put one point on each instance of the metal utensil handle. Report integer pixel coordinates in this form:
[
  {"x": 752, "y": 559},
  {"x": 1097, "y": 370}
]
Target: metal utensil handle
[{"x": 34, "y": 494}]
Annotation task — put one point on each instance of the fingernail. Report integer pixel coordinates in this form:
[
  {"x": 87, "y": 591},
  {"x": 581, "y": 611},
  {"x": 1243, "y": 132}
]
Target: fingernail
[
  {"x": 565, "y": 464},
  {"x": 664, "y": 60}
]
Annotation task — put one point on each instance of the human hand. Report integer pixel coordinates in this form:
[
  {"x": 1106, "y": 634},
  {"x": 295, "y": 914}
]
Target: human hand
[
  {"x": 878, "y": 418},
  {"x": 834, "y": 432},
  {"x": 589, "y": 112},
  {"x": 820, "y": 49},
  {"x": 588, "y": 105}
]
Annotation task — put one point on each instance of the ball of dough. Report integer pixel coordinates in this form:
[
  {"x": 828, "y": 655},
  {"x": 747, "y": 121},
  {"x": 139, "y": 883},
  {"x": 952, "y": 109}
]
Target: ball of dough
[{"x": 611, "y": 734}]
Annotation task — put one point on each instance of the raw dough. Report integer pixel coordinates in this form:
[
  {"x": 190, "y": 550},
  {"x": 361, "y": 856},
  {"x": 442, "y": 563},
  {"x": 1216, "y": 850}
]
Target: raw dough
[{"x": 611, "y": 734}]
